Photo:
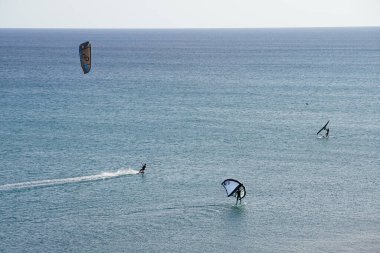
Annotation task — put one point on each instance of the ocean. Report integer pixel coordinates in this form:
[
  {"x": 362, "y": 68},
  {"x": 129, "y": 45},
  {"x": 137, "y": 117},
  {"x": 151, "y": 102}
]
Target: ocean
[{"x": 197, "y": 106}]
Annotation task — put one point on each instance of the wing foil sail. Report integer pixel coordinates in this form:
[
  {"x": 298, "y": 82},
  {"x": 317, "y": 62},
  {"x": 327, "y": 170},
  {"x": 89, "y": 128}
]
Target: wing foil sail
[
  {"x": 324, "y": 127},
  {"x": 232, "y": 186}
]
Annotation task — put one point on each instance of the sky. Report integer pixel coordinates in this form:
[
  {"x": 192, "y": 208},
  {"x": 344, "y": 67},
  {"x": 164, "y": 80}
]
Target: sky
[{"x": 188, "y": 13}]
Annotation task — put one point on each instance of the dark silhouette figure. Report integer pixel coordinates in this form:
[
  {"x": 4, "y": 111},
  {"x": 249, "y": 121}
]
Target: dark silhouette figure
[
  {"x": 142, "y": 170},
  {"x": 238, "y": 196}
]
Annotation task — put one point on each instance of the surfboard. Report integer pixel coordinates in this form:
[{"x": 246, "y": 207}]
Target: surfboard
[{"x": 324, "y": 127}]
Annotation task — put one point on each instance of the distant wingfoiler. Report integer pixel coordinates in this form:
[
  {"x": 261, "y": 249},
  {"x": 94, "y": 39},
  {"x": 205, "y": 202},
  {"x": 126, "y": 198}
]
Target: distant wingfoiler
[
  {"x": 234, "y": 188},
  {"x": 85, "y": 56},
  {"x": 326, "y": 129}
]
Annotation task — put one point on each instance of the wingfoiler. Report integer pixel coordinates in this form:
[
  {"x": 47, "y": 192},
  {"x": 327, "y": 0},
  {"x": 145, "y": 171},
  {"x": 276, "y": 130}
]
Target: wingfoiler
[
  {"x": 234, "y": 188},
  {"x": 325, "y": 128}
]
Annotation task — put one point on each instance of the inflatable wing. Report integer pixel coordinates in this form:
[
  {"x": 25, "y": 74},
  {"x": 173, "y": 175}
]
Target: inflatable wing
[
  {"x": 85, "y": 56},
  {"x": 232, "y": 186},
  {"x": 324, "y": 127}
]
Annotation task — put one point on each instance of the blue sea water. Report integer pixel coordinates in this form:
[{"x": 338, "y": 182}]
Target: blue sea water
[{"x": 198, "y": 106}]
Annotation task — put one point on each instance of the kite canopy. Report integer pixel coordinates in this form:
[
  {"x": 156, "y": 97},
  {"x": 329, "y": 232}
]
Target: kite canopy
[
  {"x": 232, "y": 186},
  {"x": 85, "y": 56}
]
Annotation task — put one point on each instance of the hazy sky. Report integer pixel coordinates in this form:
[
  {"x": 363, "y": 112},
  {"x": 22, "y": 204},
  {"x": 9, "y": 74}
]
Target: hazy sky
[{"x": 187, "y": 13}]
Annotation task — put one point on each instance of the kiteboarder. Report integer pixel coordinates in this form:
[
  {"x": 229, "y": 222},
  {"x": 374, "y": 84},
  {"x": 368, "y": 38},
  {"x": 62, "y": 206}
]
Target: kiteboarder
[{"x": 142, "y": 170}]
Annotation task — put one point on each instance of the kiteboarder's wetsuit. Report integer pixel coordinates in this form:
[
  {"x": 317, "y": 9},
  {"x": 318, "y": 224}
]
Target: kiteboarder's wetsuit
[
  {"x": 327, "y": 132},
  {"x": 142, "y": 168},
  {"x": 238, "y": 196}
]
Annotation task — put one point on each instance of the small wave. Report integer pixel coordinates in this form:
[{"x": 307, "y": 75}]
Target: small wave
[{"x": 53, "y": 182}]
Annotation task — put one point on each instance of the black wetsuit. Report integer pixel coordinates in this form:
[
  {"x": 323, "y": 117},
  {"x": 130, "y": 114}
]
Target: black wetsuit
[
  {"x": 238, "y": 196},
  {"x": 143, "y": 168}
]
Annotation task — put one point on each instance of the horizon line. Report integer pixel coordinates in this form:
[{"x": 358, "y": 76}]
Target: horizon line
[{"x": 188, "y": 28}]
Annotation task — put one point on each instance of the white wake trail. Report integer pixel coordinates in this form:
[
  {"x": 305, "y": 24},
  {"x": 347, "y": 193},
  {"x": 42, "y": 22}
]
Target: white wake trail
[{"x": 53, "y": 182}]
